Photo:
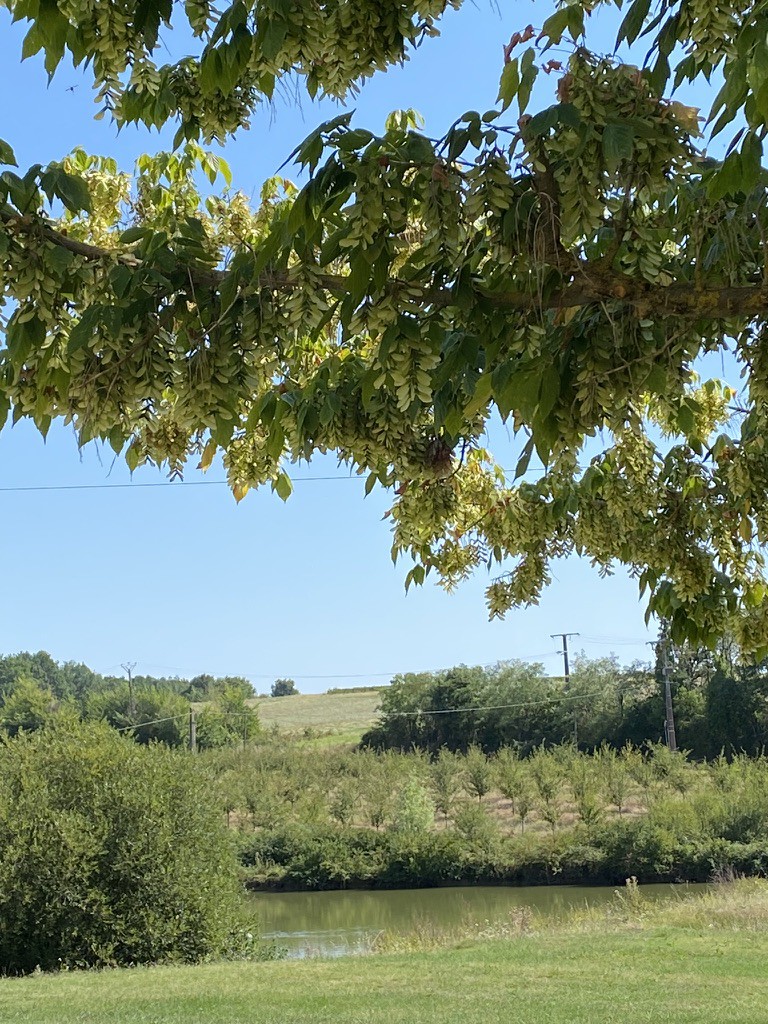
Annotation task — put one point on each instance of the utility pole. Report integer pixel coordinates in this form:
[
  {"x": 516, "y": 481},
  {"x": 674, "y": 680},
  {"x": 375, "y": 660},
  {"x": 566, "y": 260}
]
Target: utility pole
[
  {"x": 192, "y": 731},
  {"x": 669, "y": 717},
  {"x": 128, "y": 668},
  {"x": 567, "y": 668}
]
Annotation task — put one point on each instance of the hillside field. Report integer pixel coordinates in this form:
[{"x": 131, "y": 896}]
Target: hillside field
[{"x": 340, "y": 717}]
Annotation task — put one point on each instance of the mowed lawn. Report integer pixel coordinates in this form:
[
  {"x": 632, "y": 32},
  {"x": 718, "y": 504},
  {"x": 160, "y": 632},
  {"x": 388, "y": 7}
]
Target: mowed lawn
[
  {"x": 347, "y": 714},
  {"x": 664, "y": 975}
]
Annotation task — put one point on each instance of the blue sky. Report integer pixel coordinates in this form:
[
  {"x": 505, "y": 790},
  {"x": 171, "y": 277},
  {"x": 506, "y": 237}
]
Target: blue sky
[{"x": 178, "y": 578}]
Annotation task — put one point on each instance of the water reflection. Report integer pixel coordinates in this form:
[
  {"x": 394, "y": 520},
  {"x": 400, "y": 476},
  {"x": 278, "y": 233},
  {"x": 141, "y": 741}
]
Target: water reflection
[{"x": 340, "y": 923}]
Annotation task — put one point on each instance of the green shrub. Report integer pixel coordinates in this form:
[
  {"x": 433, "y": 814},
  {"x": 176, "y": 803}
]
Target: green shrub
[
  {"x": 227, "y": 720},
  {"x": 415, "y": 810},
  {"x": 110, "y": 853},
  {"x": 28, "y": 706},
  {"x": 478, "y": 828}
]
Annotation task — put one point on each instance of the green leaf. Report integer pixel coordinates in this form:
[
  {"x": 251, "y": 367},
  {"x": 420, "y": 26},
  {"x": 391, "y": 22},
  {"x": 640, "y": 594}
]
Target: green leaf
[
  {"x": 727, "y": 180},
  {"x": 116, "y": 439},
  {"x": 575, "y": 20},
  {"x": 120, "y": 278},
  {"x": 276, "y": 441},
  {"x": 132, "y": 457},
  {"x": 555, "y": 25},
  {"x": 53, "y": 27},
  {"x": 568, "y": 115},
  {"x": 509, "y": 83},
  {"x": 210, "y": 73},
  {"x": 528, "y": 75},
  {"x": 134, "y": 234},
  {"x": 82, "y": 332},
  {"x": 33, "y": 43},
  {"x": 358, "y": 280},
  {"x": 23, "y": 192},
  {"x": 633, "y": 22},
  {"x": 686, "y": 421},
  {"x": 524, "y": 461},
  {"x": 6, "y": 154},
  {"x": 549, "y": 391},
  {"x": 543, "y": 122},
  {"x": 273, "y": 38},
  {"x": 525, "y": 389},
  {"x": 23, "y": 336},
  {"x": 356, "y": 138},
  {"x": 71, "y": 190},
  {"x": 656, "y": 382},
  {"x": 618, "y": 145},
  {"x": 751, "y": 161},
  {"x": 283, "y": 486}
]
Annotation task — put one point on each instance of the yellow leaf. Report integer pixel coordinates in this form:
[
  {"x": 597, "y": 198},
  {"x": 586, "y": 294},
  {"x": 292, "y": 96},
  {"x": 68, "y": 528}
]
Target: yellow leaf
[
  {"x": 207, "y": 457},
  {"x": 686, "y": 117}
]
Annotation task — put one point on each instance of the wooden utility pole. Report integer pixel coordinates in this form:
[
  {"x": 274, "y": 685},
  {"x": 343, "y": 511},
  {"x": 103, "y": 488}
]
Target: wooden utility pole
[
  {"x": 128, "y": 668},
  {"x": 192, "y": 731},
  {"x": 669, "y": 717},
  {"x": 567, "y": 668}
]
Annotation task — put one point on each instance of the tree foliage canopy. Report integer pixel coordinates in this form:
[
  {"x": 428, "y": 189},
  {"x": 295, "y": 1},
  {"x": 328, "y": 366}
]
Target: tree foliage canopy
[{"x": 563, "y": 269}]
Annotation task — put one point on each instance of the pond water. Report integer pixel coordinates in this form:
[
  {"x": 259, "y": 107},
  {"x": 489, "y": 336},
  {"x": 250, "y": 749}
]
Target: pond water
[{"x": 341, "y": 923}]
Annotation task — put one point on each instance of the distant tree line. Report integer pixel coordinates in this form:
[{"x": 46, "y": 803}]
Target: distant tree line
[
  {"x": 34, "y": 689},
  {"x": 720, "y": 706}
]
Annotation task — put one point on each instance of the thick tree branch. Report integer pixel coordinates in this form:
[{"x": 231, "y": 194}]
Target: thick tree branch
[{"x": 682, "y": 299}]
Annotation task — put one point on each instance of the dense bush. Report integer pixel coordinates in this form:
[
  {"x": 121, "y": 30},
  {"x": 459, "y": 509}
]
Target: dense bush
[
  {"x": 326, "y": 858},
  {"x": 148, "y": 713},
  {"x": 110, "y": 853},
  {"x": 28, "y": 706},
  {"x": 227, "y": 720},
  {"x": 322, "y": 857}
]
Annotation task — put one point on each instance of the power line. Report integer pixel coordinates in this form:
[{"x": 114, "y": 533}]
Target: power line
[
  {"x": 167, "y": 484},
  {"x": 178, "y": 484},
  {"x": 382, "y": 675},
  {"x": 612, "y": 641},
  {"x": 501, "y": 662},
  {"x": 499, "y": 707},
  {"x": 372, "y": 675},
  {"x": 561, "y": 699},
  {"x": 155, "y": 721}
]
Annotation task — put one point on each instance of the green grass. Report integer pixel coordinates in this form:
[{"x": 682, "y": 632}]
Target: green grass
[
  {"x": 697, "y": 961},
  {"x": 344, "y": 717},
  {"x": 663, "y": 975}
]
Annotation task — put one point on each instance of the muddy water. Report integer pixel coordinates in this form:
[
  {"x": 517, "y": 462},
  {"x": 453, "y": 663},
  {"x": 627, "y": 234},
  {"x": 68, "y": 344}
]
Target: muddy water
[{"x": 340, "y": 923}]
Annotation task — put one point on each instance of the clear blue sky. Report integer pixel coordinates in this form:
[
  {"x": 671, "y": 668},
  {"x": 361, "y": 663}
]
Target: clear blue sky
[{"x": 180, "y": 579}]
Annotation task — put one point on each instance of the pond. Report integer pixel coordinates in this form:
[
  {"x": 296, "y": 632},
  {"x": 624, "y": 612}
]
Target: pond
[{"x": 341, "y": 923}]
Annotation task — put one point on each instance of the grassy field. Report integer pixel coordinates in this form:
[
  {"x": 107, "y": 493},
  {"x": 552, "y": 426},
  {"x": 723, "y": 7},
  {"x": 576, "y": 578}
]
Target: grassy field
[
  {"x": 661, "y": 975},
  {"x": 338, "y": 717},
  {"x": 696, "y": 964}
]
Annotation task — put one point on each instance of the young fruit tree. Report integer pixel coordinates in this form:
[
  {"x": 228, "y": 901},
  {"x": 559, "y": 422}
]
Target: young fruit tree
[{"x": 562, "y": 268}]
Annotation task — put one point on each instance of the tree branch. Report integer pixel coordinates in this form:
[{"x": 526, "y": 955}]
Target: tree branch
[{"x": 682, "y": 299}]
